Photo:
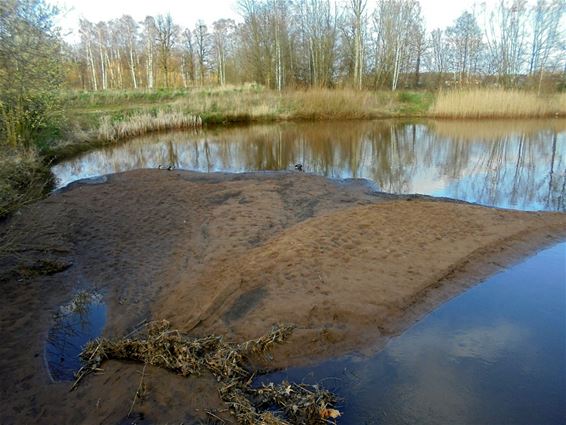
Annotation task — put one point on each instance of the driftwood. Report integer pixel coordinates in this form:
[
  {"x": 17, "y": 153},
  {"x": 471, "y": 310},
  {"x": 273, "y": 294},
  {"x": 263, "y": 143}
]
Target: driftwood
[{"x": 156, "y": 344}]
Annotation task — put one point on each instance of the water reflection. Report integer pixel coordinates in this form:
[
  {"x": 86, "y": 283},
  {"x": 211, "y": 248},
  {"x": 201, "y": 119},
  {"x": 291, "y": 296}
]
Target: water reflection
[
  {"x": 496, "y": 354},
  {"x": 510, "y": 164},
  {"x": 75, "y": 323}
]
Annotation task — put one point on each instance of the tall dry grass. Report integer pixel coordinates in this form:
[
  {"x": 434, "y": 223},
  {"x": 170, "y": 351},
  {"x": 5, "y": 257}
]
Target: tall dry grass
[
  {"x": 268, "y": 105},
  {"x": 497, "y": 103},
  {"x": 332, "y": 104},
  {"x": 136, "y": 125}
]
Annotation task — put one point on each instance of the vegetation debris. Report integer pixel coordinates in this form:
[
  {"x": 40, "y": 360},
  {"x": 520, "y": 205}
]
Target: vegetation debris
[{"x": 156, "y": 344}]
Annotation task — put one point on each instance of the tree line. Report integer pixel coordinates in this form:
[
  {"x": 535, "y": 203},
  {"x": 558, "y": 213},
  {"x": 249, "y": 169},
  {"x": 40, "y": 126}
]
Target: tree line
[{"x": 318, "y": 43}]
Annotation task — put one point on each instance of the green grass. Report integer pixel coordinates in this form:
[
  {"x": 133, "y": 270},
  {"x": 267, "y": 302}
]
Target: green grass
[{"x": 415, "y": 103}]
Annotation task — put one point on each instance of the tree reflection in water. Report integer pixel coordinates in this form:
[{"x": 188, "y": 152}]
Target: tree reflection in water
[{"x": 511, "y": 164}]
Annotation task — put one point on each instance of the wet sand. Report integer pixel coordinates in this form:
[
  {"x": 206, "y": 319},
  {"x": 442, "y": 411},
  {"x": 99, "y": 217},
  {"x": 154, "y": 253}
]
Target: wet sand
[{"x": 234, "y": 254}]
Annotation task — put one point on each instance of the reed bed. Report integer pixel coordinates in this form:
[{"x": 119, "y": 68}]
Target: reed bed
[
  {"x": 333, "y": 104},
  {"x": 252, "y": 103},
  {"x": 136, "y": 125},
  {"x": 497, "y": 103},
  {"x": 159, "y": 345},
  {"x": 312, "y": 104}
]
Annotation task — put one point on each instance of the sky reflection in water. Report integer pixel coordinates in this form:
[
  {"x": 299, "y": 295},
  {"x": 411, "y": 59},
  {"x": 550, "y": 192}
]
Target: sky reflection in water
[
  {"x": 510, "y": 164},
  {"x": 493, "y": 355}
]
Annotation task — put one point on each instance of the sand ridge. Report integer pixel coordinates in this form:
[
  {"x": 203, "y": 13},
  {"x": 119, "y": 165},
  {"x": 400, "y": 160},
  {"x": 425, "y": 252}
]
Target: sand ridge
[
  {"x": 347, "y": 277},
  {"x": 234, "y": 253}
]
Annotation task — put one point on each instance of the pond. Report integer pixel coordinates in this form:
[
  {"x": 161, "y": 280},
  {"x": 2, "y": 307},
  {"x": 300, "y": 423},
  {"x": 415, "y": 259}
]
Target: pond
[
  {"x": 494, "y": 354},
  {"x": 508, "y": 164}
]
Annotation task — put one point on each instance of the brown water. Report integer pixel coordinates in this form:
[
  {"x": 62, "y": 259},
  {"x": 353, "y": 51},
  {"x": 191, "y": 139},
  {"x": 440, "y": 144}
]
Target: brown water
[{"x": 510, "y": 164}]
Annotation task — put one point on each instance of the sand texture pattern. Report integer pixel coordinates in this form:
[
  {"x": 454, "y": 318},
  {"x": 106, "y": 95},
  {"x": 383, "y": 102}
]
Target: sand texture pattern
[{"x": 233, "y": 254}]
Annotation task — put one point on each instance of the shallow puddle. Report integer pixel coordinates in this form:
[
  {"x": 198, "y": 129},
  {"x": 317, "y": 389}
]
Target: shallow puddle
[
  {"x": 75, "y": 323},
  {"x": 495, "y": 354}
]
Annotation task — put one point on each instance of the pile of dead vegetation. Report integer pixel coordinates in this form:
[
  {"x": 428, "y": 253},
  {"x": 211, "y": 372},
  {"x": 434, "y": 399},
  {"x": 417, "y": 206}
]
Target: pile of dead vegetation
[{"x": 157, "y": 344}]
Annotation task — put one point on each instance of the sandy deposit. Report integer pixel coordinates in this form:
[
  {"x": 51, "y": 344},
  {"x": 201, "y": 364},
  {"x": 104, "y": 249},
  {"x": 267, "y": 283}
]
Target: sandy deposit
[{"x": 234, "y": 254}]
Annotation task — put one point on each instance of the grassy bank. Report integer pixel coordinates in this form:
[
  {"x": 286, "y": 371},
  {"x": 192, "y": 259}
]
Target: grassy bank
[
  {"x": 249, "y": 103},
  {"x": 104, "y": 117}
]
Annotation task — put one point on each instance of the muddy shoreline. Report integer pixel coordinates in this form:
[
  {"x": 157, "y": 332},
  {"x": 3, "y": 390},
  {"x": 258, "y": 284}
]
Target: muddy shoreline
[{"x": 233, "y": 254}]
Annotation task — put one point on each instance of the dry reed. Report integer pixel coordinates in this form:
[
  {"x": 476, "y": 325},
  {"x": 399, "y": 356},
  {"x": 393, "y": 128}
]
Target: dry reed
[
  {"x": 268, "y": 105},
  {"x": 137, "y": 125},
  {"x": 497, "y": 103},
  {"x": 170, "y": 349}
]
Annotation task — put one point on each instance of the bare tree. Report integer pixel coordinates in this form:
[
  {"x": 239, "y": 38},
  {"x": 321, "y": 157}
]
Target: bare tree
[
  {"x": 464, "y": 43},
  {"x": 319, "y": 34},
  {"x": 437, "y": 56},
  {"x": 506, "y": 31},
  {"x": 166, "y": 38},
  {"x": 546, "y": 34},
  {"x": 202, "y": 44},
  {"x": 393, "y": 47},
  {"x": 223, "y": 30},
  {"x": 187, "y": 57},
  {"x": 323, "y": 43}
]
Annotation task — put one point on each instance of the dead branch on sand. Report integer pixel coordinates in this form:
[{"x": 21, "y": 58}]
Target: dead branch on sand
[{"x": 170, "y": 349}]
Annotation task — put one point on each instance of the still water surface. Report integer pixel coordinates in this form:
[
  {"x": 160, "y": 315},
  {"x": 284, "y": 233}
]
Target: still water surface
[
  {"x": 74, "y": 325},
  {"x": 496, "y": 354},
  {"x": 510, "y": 164}
]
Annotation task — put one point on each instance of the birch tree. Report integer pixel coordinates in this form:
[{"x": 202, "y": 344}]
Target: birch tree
[
  {"x": 86, "y": 31},
  {"x": 437, "y": 55},
  {"x": 129, "y": 28},
  {"x": 101, "y": 42},
  {"x": 394, "y": 23},
  {"x": 149, "y": 34},
  {"x": 357, "y": 8},
  {"x": 223, "y": 31}
]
